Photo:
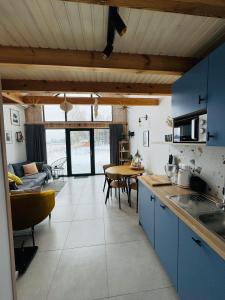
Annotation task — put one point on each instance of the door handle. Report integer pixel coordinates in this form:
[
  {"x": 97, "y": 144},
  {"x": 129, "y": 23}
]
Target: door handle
[
  {"x": 163, "y": 206},
  {"x": 200, "y": 100},
  {"x": 210, "y": 136},
  {"x": 198, "y": 242},
  {"x": 152, "y": 198}
]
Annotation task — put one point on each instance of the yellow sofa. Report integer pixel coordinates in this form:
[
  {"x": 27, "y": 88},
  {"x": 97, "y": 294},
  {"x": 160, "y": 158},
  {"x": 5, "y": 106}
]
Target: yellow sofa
[{"x": 29, "y": 209}]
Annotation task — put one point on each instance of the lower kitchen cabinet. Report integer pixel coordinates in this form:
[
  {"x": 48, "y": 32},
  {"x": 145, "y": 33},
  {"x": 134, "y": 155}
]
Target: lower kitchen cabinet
[
  {"x": 146, "y": 211},
  {"x": 166, "y": 239},
  {"x": 201, "y": 272}
]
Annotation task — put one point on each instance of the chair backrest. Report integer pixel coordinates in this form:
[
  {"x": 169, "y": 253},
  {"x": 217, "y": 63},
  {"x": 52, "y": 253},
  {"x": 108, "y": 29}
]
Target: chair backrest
[
  {"x": 113, "y": 176},
  {"x": 59, "y": 163},
  {"x": 108, "y": 166}
]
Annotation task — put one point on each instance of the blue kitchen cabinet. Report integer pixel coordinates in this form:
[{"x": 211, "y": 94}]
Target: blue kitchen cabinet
[
  {"x": 190, "y": 91},
  {"x": 166, "y": 239},
  {"x": 201, "y": 272},
  {"x": 216, "y": 98},
  {"x": 146, "y": 209}
]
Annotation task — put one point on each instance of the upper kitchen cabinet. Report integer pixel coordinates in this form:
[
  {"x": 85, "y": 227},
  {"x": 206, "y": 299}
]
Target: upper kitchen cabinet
[
  {"x": 190, "y": 91},
  {"x": 216, "y": 97}
]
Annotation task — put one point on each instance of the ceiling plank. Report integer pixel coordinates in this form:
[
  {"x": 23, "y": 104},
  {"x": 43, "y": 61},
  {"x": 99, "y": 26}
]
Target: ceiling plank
[
  {"x": 12, "y": 98},
  {"x": 12, "y": 85},
  {"x": 87, "y": 101},
  {"x": 92, "y": 61},
  {"x": 206, "y": 8}
]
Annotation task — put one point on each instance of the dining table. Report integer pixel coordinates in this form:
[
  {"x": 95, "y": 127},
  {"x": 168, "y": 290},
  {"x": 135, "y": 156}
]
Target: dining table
[{"x": 125, "y": 170}]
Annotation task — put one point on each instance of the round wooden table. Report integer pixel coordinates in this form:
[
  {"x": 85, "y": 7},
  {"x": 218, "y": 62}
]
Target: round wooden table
[{"x": 124, "y": 170}]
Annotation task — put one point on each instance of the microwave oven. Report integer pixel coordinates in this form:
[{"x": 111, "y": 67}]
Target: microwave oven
[{"x": 190, "y": 129}]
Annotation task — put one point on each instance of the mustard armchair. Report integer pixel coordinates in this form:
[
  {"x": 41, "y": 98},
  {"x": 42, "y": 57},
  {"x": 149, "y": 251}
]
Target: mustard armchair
[{"x": 29, "y": 209}]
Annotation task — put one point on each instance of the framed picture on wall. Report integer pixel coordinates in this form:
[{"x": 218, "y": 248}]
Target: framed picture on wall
[
  {"x": 146, "y": 138},
  {"x": 8, "y": 137},
  {"x": 15, "y": 117}
]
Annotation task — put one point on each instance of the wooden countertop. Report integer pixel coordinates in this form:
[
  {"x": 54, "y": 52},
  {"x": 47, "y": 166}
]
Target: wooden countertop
[{"x": 163, "y": 192}]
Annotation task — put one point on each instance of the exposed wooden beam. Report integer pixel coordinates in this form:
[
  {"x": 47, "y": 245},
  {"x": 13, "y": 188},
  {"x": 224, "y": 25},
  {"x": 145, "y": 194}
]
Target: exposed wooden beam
[
  {"x": 58, "y": 59},
  {"x": 206, "y": 8},
  {"x": 101, "y": 101},
  {"x": 12, "y": 98},
  {"x": 10, "y": 85}
]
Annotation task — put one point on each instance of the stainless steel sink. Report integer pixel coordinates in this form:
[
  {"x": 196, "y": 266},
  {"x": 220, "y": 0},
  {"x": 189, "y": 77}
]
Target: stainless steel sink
[{"x": 215, "y": 222}]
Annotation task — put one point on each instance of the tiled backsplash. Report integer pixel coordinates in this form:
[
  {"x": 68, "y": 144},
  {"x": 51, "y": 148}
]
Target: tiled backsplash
[{"x": 208, "y": 163}]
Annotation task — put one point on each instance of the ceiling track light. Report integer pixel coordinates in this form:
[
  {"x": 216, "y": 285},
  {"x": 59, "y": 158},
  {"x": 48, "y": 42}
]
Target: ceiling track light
[{"x": 115, "y": 23}]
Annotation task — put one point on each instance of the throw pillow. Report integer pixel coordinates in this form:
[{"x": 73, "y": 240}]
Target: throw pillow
[
  {"x": 15, "y": 178},
  {"x": 18, "y": 169},
  {"x": 30, "y": 169},
  {"x": 40, "y": 165}
]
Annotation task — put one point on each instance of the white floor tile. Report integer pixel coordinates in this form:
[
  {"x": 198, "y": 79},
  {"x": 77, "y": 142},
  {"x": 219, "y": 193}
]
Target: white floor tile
[
  {"x": 85, "y": 233},
  {"x": 63, "y": 213},
  {"x": 34, "y": 284},
  {"x": 88, "y": 211},
  {"x": 117, "y": 231},
  {"x": 81, "y": 275},
  {"x": 134, "y": 267}
]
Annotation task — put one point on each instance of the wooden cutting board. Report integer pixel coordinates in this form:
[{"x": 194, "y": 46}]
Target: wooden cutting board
[{"x": 156, "y": 180}]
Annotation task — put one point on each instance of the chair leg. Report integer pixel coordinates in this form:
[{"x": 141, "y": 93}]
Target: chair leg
[
  {"x": 32, "y": 234},
  {"x": 137, "y": 199},
  {"x": 107, "y": 194},
  {"x": 50, "y": 216},
  {"x": 119, "y": 199},
  {"x": 129, "y": 197},
  {"x": 104, "y": 184}
]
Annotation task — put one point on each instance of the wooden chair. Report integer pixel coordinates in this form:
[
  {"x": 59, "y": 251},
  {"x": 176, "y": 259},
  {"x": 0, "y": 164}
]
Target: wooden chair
[
  {"x": 104, "y": 168},
  {"x": 133, "y": 186},
  {"x": 115, "y": 181}
]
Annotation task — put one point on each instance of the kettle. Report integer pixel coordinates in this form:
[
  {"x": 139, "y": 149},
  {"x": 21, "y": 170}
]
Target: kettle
[{"x": 184, "y": 175}]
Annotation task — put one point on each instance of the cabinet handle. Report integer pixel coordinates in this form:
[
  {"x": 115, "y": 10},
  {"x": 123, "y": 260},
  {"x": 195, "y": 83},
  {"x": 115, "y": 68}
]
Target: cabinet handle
[
  {"x": 163, "y": 206},
  {"x": 210, "y": 136},
  {"x": 198, "y": 242},
  {"x": 152, "y": 198},
  {"x": 200, "y": 100}
]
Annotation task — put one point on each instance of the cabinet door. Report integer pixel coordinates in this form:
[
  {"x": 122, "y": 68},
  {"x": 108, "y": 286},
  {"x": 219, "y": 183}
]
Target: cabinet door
[
  {"x": 146, "y": 212},
  {"x": 166, "y": 239},
  {"x": 201, "y": 272},
  {"x": 190, "y": 91},
  {"x": 216, "y": 97}
]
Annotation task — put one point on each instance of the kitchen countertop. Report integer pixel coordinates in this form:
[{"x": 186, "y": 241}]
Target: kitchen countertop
[{"x": 164, "y": 192}]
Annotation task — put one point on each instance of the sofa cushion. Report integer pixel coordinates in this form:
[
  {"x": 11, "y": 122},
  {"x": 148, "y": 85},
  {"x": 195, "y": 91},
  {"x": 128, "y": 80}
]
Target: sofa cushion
[
  {"x": 30, "y": 169},
  {"x": 40, "y": 165},
  {"x": 10, "y": 168},
  {"x": 15, "y": 178},
  {"x": 18, "y": 169}
]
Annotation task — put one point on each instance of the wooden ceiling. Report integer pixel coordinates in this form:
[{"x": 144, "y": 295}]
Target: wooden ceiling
[{"x": 55, "y": 45}]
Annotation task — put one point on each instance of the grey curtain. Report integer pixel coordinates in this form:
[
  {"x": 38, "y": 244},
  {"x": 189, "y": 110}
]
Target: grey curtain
[
  {"x": 116, "y": 133},
  {"x": 36, "y": 143}
]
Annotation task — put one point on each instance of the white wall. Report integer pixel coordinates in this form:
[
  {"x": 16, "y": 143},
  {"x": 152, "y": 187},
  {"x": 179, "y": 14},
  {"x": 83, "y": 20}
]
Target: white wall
[
  {"x": 16, "y": 152},
  {"x": 156, "y": 156},
  {"x": 208, "y": 161}
]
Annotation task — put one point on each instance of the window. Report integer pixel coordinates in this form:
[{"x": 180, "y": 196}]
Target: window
[
  {"x": 104, "y": 113},
  {"x": 80, "y": 113},
  {"x": 53, "y": 113},
  {"x": 56, "y": 146}
]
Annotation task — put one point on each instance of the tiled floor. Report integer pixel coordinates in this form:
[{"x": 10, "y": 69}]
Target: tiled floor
[{"x": 90, "y": 251}]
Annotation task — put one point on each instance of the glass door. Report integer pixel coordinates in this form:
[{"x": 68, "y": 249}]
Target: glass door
[
  {"x": 102, "y": 149},
  {"x": 79, "y": 145}
]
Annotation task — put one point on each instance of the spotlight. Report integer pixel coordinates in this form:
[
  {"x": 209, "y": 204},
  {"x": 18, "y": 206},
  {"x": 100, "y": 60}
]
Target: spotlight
[
  {"x": 107, "y": 51},
  {"x": 117, "y": 21}
]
